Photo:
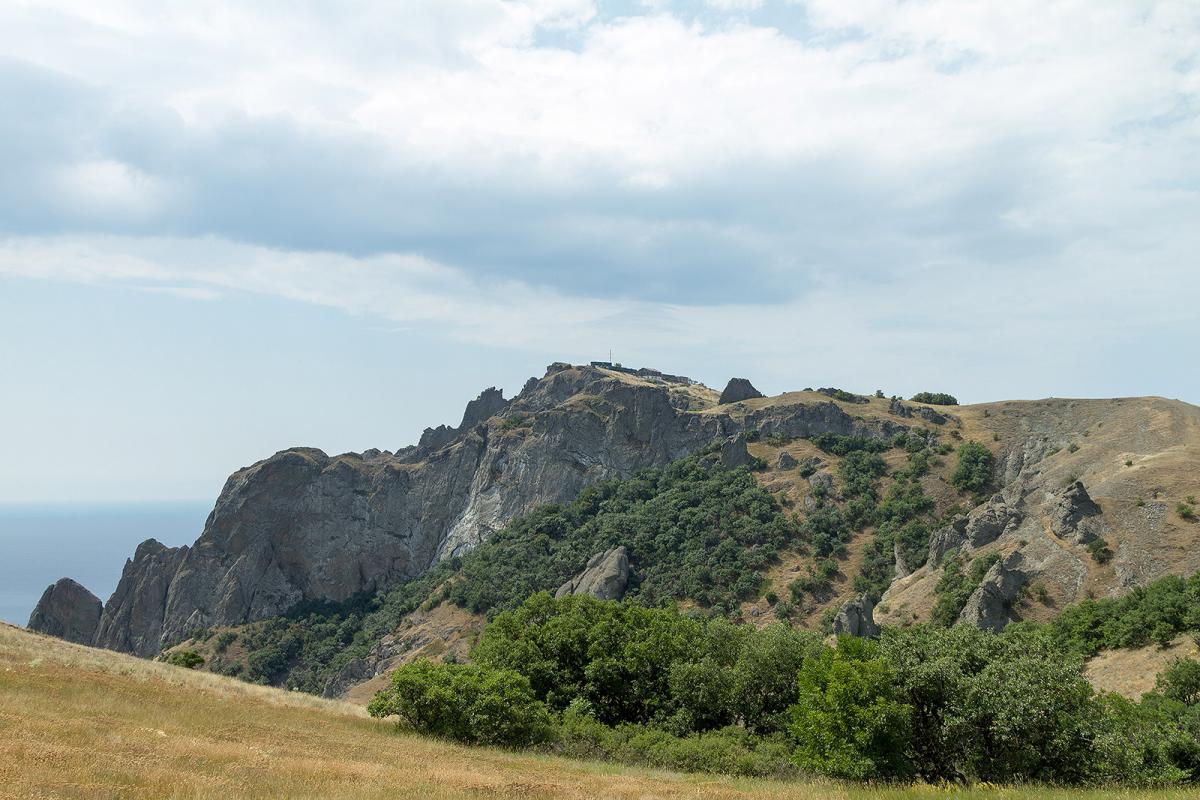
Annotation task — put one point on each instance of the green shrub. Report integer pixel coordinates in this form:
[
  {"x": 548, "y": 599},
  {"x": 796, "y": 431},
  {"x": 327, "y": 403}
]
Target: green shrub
[
  {"x": 1185, "y": 511},
  {"x": 955, "y": 587},
  {"x": 974, "y": 469},
  {"x": 1100, "y": 551},
  {"x": 465, "y": 703},
  {"x": 935, "y": 398},
  {"x": 224, "y": 639},
  {"x": 188, "y": 659}
]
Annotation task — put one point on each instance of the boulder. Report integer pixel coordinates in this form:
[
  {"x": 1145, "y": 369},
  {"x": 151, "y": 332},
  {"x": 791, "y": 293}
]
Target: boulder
[
  {"x": 605, "y": 576},
  {"x": 738, "y": 389},
  {"x": 1071, "y": 515},
  {"x": 822, "y": 482},
  {"x": 734, "y": 453},
  {"x": 989, "y": 607},
  {"x": 69, "y": 611},
  {"x": 787, "y": 461},
  {"x": 856, "y": 618}
]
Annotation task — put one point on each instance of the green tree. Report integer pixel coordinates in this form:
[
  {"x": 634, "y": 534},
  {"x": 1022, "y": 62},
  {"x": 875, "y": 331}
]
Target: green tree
[
  {"x": 765, "y": 675},
  {"x": 1180, "y": 681},
  {"x": 847, "y": 721}
]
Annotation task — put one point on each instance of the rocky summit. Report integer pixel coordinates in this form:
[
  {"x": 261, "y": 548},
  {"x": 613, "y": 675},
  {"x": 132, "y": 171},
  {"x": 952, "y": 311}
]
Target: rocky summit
[{"x": 1079, "y": 500}]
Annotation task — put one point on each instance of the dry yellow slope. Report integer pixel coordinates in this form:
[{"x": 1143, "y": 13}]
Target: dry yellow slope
[{"x": 79, "y": 722}]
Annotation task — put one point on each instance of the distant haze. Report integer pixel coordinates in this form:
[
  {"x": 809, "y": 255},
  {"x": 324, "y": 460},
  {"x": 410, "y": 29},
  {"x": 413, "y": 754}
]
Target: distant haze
[{"x": 40, "y": 544}]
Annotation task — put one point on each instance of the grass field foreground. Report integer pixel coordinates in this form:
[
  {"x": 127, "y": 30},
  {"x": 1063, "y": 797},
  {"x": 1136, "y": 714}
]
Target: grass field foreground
[{"x": 81, "y": 722}]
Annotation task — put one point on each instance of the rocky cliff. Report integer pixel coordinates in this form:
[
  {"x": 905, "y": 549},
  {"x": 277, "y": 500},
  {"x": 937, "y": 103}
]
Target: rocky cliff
[
  {"x": 302, "y": 525},
  {"x": 1069, "y": 477}
]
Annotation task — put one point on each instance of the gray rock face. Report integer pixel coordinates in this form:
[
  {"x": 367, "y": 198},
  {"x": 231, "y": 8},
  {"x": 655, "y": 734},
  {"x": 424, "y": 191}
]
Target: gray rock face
[
  {"x": 304, "y": 525},
  {"x": 787, "y": 461},
  {"x": 856, "y": 618},
  {"x": 489, "y": 403},
  {"x": 132, "y": 618},
  {"x": 983, "y": 525},
  {"x": 737, "y": 390},
  {"x": 1072, "y": 513},
  {"x": 989, "y": 606},
  {"x": 902, "y": 568},
  {"x": 802, "y": 420},
  {"x": 734, "y": 453},
  {"x": 67, "y": 610},
  {"x": 605, "y": 576}
]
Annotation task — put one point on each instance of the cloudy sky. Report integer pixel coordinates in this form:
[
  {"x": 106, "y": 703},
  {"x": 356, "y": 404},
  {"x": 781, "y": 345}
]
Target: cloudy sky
[{"x": 230, "y": 228}]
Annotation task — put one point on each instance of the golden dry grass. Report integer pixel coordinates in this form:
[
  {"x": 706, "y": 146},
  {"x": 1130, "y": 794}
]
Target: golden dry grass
[
  {"x": 1134, "y": 672},
  {"x": 79, "y": 722}
]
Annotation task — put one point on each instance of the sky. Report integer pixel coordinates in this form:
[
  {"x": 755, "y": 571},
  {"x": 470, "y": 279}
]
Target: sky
[{"x": 230, "y": 228}]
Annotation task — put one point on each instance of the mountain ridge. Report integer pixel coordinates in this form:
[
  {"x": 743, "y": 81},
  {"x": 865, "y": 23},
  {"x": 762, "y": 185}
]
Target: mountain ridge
[{"x": 302, "y": 525}]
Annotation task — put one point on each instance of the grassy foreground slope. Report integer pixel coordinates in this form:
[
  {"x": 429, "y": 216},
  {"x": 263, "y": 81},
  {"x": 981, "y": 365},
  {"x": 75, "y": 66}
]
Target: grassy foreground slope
[{"x": 81, "y": 722}]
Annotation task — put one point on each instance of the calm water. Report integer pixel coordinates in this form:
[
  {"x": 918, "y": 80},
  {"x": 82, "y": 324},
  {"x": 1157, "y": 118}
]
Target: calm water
[{"x": 40, "y": 544}]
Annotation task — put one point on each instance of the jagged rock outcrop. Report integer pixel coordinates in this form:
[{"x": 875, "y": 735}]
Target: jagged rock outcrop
[
  {"x": 787, "y": 461},
  {"x": 1071, "y": 516},
  {"x": 984, "y": 525},
  {"x": 856, "y": 618},
  {"x": 822, "y": 482},
  {"x": 737, "y": 390},
  {"x": 489, "y": 403},
  {"x": 67, "y": 610},
  {"x": 902, "y": 568},
  {"x": 734, "y": 453},
  {"x": 900, "y": 409},
  {"x": 989, "y": 607},
  {"x": 605, "y": 576},
  {"x": 132, "y": 618}
]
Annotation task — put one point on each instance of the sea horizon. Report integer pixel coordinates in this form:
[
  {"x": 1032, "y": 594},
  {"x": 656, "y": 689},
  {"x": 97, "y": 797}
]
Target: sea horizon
[{"x": 89, "y": 542}]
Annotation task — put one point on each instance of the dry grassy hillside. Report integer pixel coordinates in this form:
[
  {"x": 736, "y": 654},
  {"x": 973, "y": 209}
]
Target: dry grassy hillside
[{"x": 77, "y": 722}]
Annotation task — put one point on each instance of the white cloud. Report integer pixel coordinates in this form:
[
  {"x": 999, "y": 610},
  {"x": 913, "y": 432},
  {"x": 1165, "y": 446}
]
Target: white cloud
[{"x": 908, "y": 170}]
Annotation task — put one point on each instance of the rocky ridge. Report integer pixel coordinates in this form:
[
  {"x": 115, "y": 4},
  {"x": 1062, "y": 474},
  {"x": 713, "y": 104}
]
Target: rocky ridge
[{"x": 303, "y": 525}]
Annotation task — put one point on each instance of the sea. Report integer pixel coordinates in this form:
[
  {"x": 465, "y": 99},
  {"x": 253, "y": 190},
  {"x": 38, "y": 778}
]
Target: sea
[{"x": 41, "y": 543}]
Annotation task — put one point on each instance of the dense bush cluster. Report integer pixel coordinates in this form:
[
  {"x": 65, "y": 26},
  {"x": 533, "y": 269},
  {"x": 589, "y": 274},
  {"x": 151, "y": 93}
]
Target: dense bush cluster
[
  {"x": 692, "y": 529},
  {"x": 1155, "y": 613},
  {"x": 655, "y": 686},
  {"x": 466, "y": 703},
  {"x": 974, "y": 469},
  {"x": 935, "y": 398}
]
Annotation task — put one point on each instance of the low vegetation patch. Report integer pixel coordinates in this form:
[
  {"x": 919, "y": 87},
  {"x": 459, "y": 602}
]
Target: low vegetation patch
[{"x": 935, "y": 398}]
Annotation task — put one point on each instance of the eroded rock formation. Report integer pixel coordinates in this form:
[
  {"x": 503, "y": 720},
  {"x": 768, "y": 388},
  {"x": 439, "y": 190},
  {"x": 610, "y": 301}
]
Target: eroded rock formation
[
  {"x": 68, "y": 611},
  {"x": 605, "y": 576}
]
